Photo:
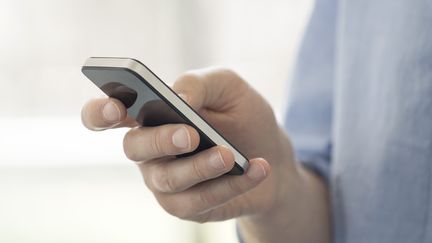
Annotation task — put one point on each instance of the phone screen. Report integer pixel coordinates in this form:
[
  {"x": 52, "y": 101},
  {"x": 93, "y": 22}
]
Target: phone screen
[{"x": 142, "y": 102}]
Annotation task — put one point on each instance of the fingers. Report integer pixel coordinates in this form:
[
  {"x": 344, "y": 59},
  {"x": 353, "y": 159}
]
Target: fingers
[
  {"x": 101, "y": 114},
  {"x": 196, "y": 201},
  {"x": 181, "y": 174},
  {"x": 213, "y": 88},
  {"x": 146, "y": 143}
]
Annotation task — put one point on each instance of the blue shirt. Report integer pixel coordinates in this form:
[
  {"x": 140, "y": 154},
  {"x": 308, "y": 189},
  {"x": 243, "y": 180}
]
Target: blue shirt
[{"x": 360, "y": 115}]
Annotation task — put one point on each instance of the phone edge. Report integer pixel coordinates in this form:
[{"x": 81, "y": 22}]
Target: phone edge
[{"x": 133, "y": 65}]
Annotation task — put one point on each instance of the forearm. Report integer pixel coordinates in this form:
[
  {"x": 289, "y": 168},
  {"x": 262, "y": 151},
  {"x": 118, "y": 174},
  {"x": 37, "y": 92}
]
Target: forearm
[{"x": 302, "y": 216}]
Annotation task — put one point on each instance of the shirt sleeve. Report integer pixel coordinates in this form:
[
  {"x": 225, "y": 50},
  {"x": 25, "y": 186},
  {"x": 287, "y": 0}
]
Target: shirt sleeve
[{"x": 308, "y": 116}]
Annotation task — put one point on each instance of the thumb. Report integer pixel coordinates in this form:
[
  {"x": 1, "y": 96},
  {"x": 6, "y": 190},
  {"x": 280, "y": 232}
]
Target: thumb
[{"x": 212, "y": 88}]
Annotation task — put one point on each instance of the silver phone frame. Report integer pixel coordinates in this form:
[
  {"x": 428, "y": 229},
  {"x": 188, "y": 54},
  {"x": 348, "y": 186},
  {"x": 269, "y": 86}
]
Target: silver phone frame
[{"x": 170, "y": 96}]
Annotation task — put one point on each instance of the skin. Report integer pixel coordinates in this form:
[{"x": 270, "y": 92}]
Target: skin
[{"x": 276, "y": 200}]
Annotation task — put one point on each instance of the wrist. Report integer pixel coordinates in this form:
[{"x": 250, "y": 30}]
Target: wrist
[
  {"x": 299, "y": 209},
  {"x": 267, "y": 226}
]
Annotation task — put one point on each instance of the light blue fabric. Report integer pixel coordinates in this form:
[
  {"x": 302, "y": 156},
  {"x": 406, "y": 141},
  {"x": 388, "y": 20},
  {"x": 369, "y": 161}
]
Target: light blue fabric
[{"x": 360, "y": 115}]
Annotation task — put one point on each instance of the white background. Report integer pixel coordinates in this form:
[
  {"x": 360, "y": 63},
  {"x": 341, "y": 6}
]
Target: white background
[{"x": 62, "y": 183}]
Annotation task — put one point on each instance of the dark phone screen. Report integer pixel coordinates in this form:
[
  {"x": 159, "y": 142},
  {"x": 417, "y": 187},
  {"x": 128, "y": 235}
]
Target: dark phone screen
[
  {"x": 142, "y": 102},
  {"x": 153, "y": 111}
]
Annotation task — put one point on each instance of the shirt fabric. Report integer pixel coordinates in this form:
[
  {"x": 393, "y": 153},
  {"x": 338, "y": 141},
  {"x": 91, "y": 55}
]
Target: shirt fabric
[{"x": 360, "y": 115}]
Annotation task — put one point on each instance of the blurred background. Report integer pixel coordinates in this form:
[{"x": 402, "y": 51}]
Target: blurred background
[{"x": 62, "y": 183}]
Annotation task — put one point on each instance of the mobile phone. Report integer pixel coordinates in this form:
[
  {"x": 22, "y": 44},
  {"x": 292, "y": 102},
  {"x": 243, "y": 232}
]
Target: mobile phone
[{"x": 152, "y": 103}]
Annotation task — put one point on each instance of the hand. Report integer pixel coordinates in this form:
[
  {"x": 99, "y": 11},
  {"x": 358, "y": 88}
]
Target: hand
[{"x": 195, "y": 188}]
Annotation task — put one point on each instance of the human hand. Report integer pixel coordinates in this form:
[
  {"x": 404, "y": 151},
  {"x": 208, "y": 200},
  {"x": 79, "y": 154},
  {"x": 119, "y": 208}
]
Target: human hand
[{"x": 195, "y": 187}]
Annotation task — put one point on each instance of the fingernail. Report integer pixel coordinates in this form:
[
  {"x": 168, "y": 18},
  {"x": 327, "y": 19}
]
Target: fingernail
[
  {"x": 181, "y": 138},
  {"x": 111, "y": 112},
  {"x": 216, "y": 161},
  {"x": 256, "y": 172},
  {"x": 184, "y": 97}
]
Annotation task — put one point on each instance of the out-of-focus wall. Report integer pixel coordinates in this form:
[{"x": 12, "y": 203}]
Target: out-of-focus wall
[
  {"x": 61, "y": 183},
  {"x": 43, "y": 43}
]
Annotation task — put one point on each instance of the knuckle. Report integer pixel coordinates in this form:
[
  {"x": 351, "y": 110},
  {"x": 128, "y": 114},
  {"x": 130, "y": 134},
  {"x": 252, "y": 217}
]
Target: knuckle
[
  {"x": 198, "y": 171},
  {"x": 156, "y": 143},
  {"x": 228, "y": 71},
  {"x": 233, "y": 77}
]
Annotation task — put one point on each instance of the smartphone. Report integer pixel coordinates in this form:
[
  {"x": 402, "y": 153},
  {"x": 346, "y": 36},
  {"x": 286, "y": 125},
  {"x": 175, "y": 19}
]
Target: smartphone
[{"x": 152, "y": 103}]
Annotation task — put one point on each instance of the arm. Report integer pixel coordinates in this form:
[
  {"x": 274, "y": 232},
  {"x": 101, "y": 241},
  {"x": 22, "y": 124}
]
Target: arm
[{"x": 276, "y": 199}]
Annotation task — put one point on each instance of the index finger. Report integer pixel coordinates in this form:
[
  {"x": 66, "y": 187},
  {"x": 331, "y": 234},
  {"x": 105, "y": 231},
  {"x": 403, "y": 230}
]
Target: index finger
[
  {"x": 212, "y": 87},
  {"x": 101, "y": 114}
]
